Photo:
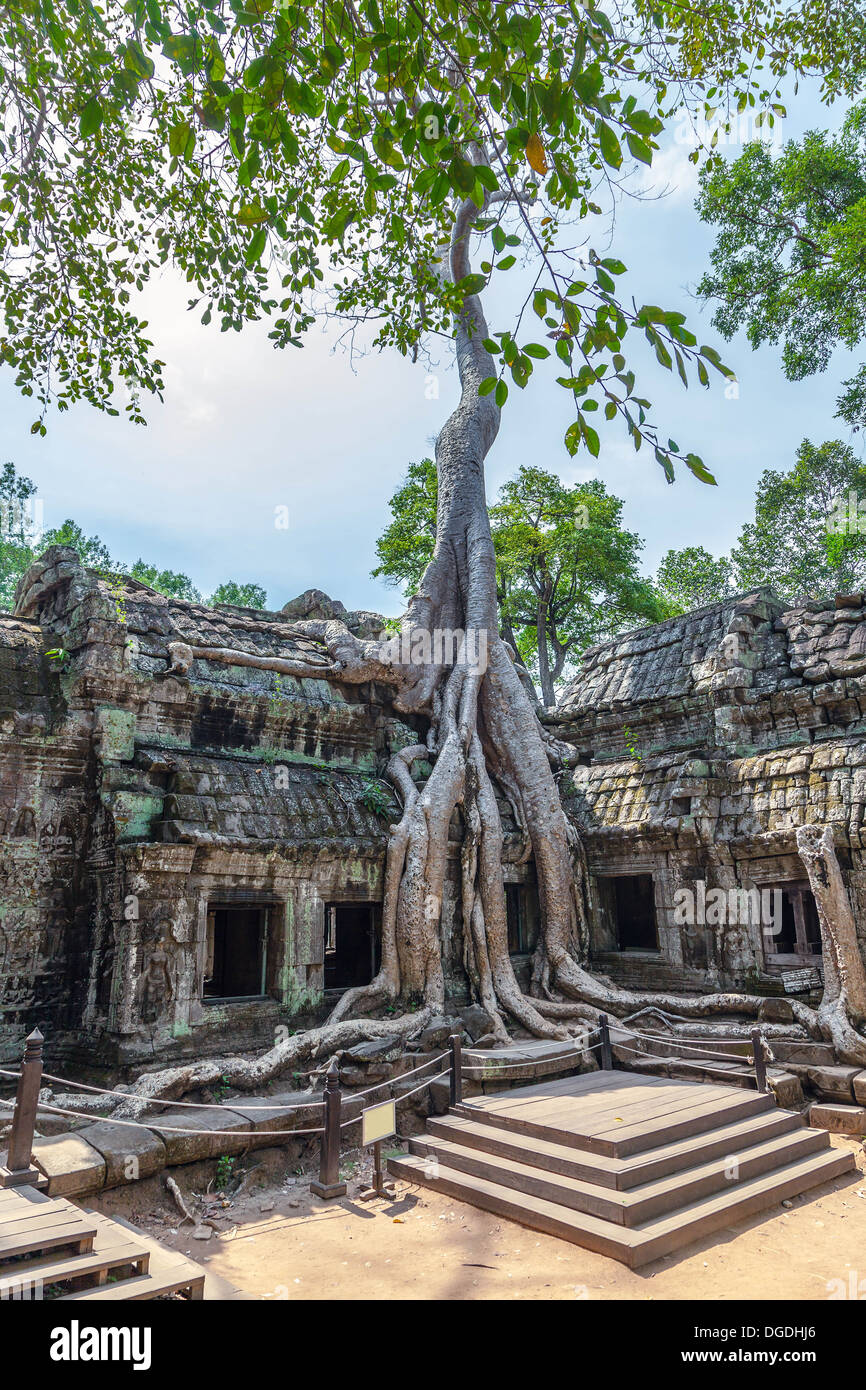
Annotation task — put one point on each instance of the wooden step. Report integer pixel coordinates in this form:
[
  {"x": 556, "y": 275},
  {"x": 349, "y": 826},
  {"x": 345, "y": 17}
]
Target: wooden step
[
  {"x": 633, "y": 1246},
  {"x": 619, "y": 1131},
  {"x": 58, "y": 1269},
  {"x": 638, "y": 1205},
  {"x": 47, "y": 1230},
  {"x": 169, "y": 1272},
  {"x": 615, "y": 1172}
]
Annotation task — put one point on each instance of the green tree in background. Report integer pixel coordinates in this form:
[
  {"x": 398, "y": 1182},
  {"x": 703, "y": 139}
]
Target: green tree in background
[
  {"x": 691, "y": 578},
  {"x": 807, "y": 538},
  {"x": 241, "y": 595},
  {"x": 405, "y": 547},
  {"x": 166, "y": 582},
  {"x": 567, "y": 570},
  {"x": 789, "y": 262}
]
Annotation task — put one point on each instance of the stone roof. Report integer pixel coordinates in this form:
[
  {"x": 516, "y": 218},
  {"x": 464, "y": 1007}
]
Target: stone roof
[
  {"x": 224, "y": 801},
  {"x": 678, "y": 657}
]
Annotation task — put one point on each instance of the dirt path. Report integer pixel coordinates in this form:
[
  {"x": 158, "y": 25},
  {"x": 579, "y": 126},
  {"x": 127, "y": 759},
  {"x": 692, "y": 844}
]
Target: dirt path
[{"x": 282, "y": 1243}]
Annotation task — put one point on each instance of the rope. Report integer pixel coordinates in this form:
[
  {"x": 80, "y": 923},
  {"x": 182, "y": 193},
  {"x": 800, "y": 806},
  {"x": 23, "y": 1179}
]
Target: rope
[
  {"x": 671, "y": 1042},
  {"x": 170, "y": 1129},
  {"x": 214, "y": 1105},
  {"x": 353, "y": 1095},
  {"x": 186, "y": 1104},
  {"x": 398, "y": 1100},
  {"x": 699, "y": 1066},
  {"x": 500, "y": 1071}
]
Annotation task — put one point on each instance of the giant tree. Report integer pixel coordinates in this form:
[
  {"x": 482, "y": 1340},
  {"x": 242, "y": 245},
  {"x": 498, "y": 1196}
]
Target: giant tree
[{"x": 349, "y": 157}]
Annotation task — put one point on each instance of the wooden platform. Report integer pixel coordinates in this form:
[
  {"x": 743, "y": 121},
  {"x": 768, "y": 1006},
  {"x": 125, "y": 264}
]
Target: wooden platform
[
  {"x": 627, "y": 1165},
  {"x": 50, "y": 1248}
]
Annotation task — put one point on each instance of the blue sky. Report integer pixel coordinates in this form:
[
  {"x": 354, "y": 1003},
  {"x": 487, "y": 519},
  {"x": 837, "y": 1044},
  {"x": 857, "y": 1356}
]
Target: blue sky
[{"x": 245, "y": 430}]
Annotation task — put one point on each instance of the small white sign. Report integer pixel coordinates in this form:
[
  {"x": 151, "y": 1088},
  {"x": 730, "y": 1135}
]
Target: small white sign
[{"x": 378, "y": 1122}]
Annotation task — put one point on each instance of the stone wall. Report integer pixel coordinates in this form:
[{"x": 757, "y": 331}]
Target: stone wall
[{"x": 704, "y": 742}]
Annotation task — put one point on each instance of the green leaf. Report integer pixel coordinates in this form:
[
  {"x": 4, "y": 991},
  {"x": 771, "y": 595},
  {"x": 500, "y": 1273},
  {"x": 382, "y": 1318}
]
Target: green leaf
[
  {"x": 611, "y": 151},
  {"x": 137, "y": 61},
  {"x": 695, "y": 465},
  {"x": 487, "y": 385},
  {"x": 91, "y": 117},
  {"x": 256, "y": 246},
  {"x": 501, "y": 394},
  {"x": 536, "y": 350},
  {"x": 251, "y": 214},
  {"x": 178, "y": 138},
  {"x": 472, "y": 284},
  {"x": 639, "y": 148}
]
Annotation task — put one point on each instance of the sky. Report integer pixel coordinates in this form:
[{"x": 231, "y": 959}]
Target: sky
[{"x": 247, "y": 431}]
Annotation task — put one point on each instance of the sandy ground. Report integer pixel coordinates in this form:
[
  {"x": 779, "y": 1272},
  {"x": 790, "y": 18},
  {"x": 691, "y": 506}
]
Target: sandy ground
[{"x": 279, "y": 1242}]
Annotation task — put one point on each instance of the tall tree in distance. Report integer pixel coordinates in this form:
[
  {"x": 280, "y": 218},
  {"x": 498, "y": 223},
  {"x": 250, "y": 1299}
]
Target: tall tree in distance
[
  {"x": 691, "y": 578},
  {"x": 567, "y": 570},
  {"x": 405, "y": 548},
  {"x": 808, "y": 536},
  {"x": 788, "y": 263}
]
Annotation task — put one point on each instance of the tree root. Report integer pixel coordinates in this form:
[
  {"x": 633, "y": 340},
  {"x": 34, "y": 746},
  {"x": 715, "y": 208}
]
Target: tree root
[{"x": 249, "y": 1074}]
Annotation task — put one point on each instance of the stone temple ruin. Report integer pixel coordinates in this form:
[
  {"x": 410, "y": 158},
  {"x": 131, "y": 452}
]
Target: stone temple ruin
[{"x": 193, "y": 845}]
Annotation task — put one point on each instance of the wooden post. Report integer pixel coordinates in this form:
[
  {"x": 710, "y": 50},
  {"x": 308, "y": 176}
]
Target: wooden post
[
  {"x": 456, "y": 1076},
  {"x": 606, "y": 1054},
  {"x": 760, "y": 1060},
  {"x": 19, "y": 1169},
  {"x": 328, "y": 1184}
]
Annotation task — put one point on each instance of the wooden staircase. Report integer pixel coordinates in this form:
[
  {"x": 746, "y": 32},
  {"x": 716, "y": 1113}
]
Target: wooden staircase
[
  {"x": 52, "y": 1249},
  {"x": 627, "y": 1165}
]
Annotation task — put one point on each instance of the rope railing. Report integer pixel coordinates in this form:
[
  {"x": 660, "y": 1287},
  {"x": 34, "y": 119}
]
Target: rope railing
[
  {"x": 162, "y": 1100},
  {"x": 166, "y": 1129},
  {"x": 676, "y": 1042}
]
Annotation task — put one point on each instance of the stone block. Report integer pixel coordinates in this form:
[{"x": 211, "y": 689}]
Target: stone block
[
  {"x": 71, "y": 1165},
  {"x": 130, "y": 1151},
  {"x": 785, "y": 1087},
  {"x": 199, "y": 1139},
  {"x": 775, "y": 1011},
  {"x": 859, "y": 1084},
  {"x": 838, "y": 1119},
  {"x": 833, "y": 1083}
]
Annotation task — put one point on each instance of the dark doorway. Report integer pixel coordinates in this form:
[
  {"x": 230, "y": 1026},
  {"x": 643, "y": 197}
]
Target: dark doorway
[
  {"x": 635, "y": 913},
  {"x": 515, "y": 910},
  {"x": 235, "y": 964},
  {"x": 798, "y": 940},
  {"x": 351, "y": 944}
]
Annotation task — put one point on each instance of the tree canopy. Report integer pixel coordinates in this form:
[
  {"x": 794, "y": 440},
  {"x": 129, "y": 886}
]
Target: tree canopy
[
  {"x": 808, "y": 536},
  {"x": 285, "y": 157},
  {"x": 567, "y": 570},
  {"x": 788, "y": 264},
  {"x": 692, "y": 578}
]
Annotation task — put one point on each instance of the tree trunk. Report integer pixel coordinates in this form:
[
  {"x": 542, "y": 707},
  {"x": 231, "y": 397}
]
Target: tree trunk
[
  {"x": 545, "y": 680},
  {"x": 844, "y": 1002}
]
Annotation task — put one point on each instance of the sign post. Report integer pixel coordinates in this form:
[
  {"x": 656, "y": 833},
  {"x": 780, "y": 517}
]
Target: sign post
[{"x": 378, "y": 1122}]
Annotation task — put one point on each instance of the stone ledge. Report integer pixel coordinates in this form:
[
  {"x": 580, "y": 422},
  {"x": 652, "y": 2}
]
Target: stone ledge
[
  {"x": 71, "y": 1165},
  {"x": 838, "y": 1119}
]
